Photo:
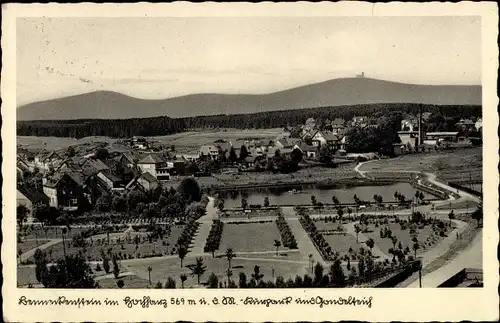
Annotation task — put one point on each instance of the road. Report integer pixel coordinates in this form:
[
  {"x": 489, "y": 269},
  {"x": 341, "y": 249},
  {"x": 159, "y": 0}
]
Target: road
[{"x": 469, "y": 258}]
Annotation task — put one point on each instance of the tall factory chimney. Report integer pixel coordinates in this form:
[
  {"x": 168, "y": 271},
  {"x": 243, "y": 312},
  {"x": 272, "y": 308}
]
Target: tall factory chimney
[{"x": 420, "y": 132}]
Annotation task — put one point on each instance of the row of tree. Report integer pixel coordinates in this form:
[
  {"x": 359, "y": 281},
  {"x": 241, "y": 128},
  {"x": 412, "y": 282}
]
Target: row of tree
[{"x": 125, "y": 128}]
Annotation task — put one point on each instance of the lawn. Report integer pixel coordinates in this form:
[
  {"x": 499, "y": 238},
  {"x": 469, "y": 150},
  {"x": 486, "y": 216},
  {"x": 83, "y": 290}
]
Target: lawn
[
  {"x": 27, "y": 245},
  {"x": 249, "y": 237},
  {"x": 404, "y": 237},
  {"x": 52, "y": 232},
  {"x": 130, "y": 282},
  {"x": 164, "y": 268},
  {"x": 57, "y": 143},
  {"x": 448, "y": 164},
  {"x": 93, "y": 251},
  {"x": 338, "y": 242}
]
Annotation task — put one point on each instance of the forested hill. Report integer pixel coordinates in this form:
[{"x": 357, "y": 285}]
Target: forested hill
[
  {"x": 336, "y": 92},
  {"x": 121, "y": 128}
]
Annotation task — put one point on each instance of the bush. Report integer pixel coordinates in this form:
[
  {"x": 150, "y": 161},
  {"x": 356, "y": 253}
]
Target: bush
[{"x": 98, "y": 267}]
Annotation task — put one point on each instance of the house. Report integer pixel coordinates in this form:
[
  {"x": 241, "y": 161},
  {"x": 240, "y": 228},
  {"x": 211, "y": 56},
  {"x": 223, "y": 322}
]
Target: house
[
  {"x": 151, "y": 163},
  {"x": 143, "y": 182},
  {"x": 409, "y": 125},
  {"x": 209, "y": 151},
  {"x": 331, "y": 140},
  {"x": 479, "y": 124},
  {"x": 442, "y": 136},
  {"x": 308, "y": 151},
  {"x": 64, "y": 190},
  {"x": 112, "y": 181},
  {"x": 188, "y": 157},
  {"x": 398, "y": 149},
  {"x": 465, "y": 124},
  {"x": 30, "y": 197},
  {"x": 46, "y": 160},
  {"x": 426, "y": 116},
  {"x": 358, "y": 120},
  {"x": 409, "y": 139},
  {"x": 283, "y": 143},
  {"x": 22, "y": 166},
  {"x": 139, "y": 143}
]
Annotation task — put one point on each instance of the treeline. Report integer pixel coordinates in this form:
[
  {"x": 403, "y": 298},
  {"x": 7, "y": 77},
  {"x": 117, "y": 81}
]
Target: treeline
[{"x": 157, "y": 126}]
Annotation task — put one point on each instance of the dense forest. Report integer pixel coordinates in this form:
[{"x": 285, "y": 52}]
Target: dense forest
[{"x": 122, "y": 128}]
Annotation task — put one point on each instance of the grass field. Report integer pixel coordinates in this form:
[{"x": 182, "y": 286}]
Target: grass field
[
  {"x": 27, "y": 245},
  {"x": 249, "y": 237},
  {"x": 189, "y": 142},
  {"x": 164, "y": 268},
  {"x": 404, "y": 237},
  {"x": 449, "y": 165},
  {"x": 315, "y": 174},
  {"x": 57, "y": 143},
  {"x": 129, "y": 282}
]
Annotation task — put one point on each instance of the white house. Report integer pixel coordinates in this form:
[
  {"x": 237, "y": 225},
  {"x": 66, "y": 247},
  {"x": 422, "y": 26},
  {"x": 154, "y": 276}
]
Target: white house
[
  {"x": 47, "y": 160},
  {"x": 479, "y": 124},
  {"x": 151, "y": 163},
  {"x": 210, "y": 151}
]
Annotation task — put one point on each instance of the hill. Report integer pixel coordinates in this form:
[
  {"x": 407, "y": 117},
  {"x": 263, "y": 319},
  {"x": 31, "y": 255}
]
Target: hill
[{"x": 337, "y": 92}]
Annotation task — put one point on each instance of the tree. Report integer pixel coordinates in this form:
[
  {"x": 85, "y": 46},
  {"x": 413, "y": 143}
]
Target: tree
[
  {"x": 220, "y": 205},
  {"x": 120, "y": 283},
  {"x": 70, "y": 152},
  {"x": 266, "y": 201},
  {"x": 357, "y": 229},
  {"x": 370, "y": 243},
  {"x": 478, "y": 215},
  {"x": 232, "y": 155},
  {"x": 451, "y": 216},
  {"x": 256, "y": 275},
  {"x": 183, "y": 279},
  {"x": 158, "y": 285},
  {"x": 313, "y": 200},
  {"x": 244, "y": 203},
  {"x": 101, "y": 154},
  {"x": 22, "y": 215},
  {"x": 63, "y": 233},
  {"x": 119, "y": 204},
  {"x": 71, "y": 272},
  {"x": 277, "y": 244},
  {"x": 337, "y": 276},
  {"x": 242, "y": 280},
  {"x": 416, "y": 246},
  {"x": 116, "y": 267},
  {"x": 41, "y": 262},
  {"x": 150, "y": 269},
  {"x": 213, "y": 281},
  {"x": 198, "y": 269},
  {"x": 318, "y": 274},
  {"x": 229, "y": 256},
  {"x": 182, "y": 252},
  {"x": 335, "y": 200},
  {"x": 296, "y": 156},
  {"x": 170, "y": 283},
  {"x": 243, "y": 152},
  {"x": 190, "y": 189},
  {"x": 340, "y": 213},
  {"x": 103, "y": 203}
]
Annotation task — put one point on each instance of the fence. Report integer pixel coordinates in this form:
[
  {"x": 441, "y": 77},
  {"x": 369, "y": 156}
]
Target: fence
[
  {"x": 465, "y": 189},
  {"x": 473, "y": 275}
]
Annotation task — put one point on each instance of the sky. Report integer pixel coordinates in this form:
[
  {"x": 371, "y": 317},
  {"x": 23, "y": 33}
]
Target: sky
[{"x": 155, "y": 58}]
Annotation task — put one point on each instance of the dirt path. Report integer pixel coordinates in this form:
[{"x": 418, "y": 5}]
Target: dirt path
[{"x": 26, "y": 255}]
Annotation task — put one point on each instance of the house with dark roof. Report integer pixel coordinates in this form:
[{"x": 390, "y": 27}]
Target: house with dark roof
[
  {"x": 30, "y": 197},
  {"x": 308, "y": 151},
  {"x": 65, "y": 190},
  {"x": 329, "y": 139},
  {"x": 46, "y": 160}
]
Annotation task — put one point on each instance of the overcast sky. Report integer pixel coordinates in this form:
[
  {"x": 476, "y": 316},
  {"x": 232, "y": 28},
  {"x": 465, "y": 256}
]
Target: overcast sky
[{"x": 165, "y": 57}]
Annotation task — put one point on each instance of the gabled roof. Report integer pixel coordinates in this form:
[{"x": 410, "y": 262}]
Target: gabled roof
[
  {"x": 308, "y": 148},
  {"x": 152, "y": 159},
  {"x": 331, "y": 137},
  {"x": 32, "y": 194},
  {"x": 112, "y": 177},
  {"x": 148, "y": 177},
  {"x": 338, "y": 122},
  {"x": 209, "y": 148}
]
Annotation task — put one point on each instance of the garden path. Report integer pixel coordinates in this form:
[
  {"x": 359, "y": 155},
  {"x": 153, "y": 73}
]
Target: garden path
[
  {"x": 204, "y": 228},
  {"x": 304, "y": 243}
]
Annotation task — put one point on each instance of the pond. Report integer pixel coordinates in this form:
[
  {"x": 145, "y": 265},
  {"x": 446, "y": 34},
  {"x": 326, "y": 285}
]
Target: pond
[{"x": 345, "y": 195}]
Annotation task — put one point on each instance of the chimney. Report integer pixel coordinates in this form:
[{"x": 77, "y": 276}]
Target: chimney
[{"x": 420, "y": 132}]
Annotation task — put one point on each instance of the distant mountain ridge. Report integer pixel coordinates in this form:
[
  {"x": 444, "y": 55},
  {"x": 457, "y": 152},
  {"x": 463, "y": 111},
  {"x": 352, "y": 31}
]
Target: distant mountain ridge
[{"x": 336, "y": 92}]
